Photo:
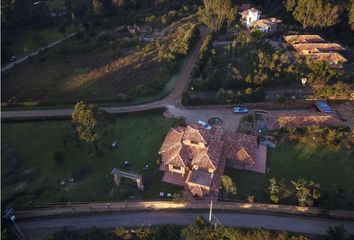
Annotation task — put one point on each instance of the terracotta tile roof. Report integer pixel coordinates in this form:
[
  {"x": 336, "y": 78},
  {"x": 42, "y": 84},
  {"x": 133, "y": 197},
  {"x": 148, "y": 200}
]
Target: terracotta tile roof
[
  {"x": 328, "y": 57},
  {"x": 196, "y": 190},
  {"x": 172, "y": 139},
  {"x": 192, "y": 145},
  {"x": 317, "y": 47},
  {"x": 296, "y": 39},
  {"x": 275, "y": 120},
  {"x": 195, "y": 135},
  {"x": 241, "y": 147}
]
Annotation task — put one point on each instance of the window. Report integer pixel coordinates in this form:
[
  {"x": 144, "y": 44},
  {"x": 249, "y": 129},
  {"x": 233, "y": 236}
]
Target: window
[{"x": 176, "y": 168}]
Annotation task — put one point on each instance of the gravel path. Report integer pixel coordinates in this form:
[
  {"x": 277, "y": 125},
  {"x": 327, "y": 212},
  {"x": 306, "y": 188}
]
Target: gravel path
[{"x": 230, "y": 120}]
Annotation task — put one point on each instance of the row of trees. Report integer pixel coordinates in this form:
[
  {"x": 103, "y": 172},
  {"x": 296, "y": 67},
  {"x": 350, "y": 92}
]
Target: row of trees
[
  {"x": 199, "y": 230},
  {"x": 329, "y": 136},
  {"x": 305, "y": 191},
  {"x": 313, "y": 13},
  {"x": 320, "y": 13},
  {"x": 179, "y": 46},
  {"x": 216, "y": 12}
]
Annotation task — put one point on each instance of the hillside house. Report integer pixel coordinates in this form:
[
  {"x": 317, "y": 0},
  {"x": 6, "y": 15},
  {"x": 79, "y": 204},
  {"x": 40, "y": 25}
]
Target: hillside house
[
  {"x": 195, "y": 157},
  {"x": 249, "y": 16},
  {"x": 192, "y": 156}
]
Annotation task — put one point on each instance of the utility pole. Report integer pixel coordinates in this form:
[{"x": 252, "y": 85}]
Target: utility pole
[{"x": 211, "y": 210}]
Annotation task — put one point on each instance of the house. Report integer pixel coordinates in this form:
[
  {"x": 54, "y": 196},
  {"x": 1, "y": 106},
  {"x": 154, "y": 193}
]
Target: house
[
  {"x": 242, "y": 151},
  {"x": 195, "y": 157},
  {"x": 266, "y": 25},
  {"x": 192, "y": 156},
  {"x": 317, "y": 49},
  {"x": 249, "y": 16}
]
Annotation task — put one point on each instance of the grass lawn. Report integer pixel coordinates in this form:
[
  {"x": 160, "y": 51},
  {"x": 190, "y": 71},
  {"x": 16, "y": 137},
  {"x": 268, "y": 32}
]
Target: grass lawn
[
  {"x": 32, "y": 40},
  {"x": 31, "y": 173},
  {"x": 331, "y": 168}
]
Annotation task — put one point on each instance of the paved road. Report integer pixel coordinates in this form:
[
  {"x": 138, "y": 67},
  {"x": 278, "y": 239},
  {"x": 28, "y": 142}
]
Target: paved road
[
  {"x": 39, "y": 228},
  {"x": 173, "y": 98}
]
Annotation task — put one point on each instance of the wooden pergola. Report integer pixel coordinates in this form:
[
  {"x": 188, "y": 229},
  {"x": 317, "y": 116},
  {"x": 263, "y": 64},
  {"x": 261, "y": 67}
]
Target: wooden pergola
[{"x": 136, "y": 177}]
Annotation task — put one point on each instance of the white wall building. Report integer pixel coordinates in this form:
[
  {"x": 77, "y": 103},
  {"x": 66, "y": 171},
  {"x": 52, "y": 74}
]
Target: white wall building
[{"x": 250, "y": 16}]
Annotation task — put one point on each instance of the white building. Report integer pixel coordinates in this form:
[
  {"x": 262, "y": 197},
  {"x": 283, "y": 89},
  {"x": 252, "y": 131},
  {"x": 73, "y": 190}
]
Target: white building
[{"x": 250, "y": 16}]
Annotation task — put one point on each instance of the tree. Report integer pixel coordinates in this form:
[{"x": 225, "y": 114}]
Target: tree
[
  {"x": 144, "y": 233},
  {"x": 316, "y": 13},
  {"x": 273, "y": 189},
  {"x": 228, "y": 185},
  {"x": 224, "y": 96},
  {"x": 200, "y": 230},
  {"x": 102, "y": 6},
  {"x": 215, "y": 12},
  {"x": 302, "y": 192},
  {"x": 323, "y": 73},
  {"x": 289, "y": 5},
  {"x": 306, "y": 192},
  {"x": 90, "y": 122},
  {"x": 351, "y": 16}
]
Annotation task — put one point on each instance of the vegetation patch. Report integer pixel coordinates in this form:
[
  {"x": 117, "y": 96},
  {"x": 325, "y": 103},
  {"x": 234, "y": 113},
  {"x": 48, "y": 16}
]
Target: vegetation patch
[
  {"x": 301, "y": 160},
  {"x": 39, "y": 156}
]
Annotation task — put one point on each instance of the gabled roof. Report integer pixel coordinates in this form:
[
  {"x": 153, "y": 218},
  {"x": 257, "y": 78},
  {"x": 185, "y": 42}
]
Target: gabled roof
[
  {"x": 195, "y": 135},
  {"x": 298, "y": 39},
  {"x": 196, "y": 190},
  {"x": 328, "y": 57},
  {"x": 172, "y": 151},
  {"x": 172, "y": 139},
  {"x": 318, "y": 47},
  {"x": 241, "y": 147},
  {"x": 192, "y": 146}
]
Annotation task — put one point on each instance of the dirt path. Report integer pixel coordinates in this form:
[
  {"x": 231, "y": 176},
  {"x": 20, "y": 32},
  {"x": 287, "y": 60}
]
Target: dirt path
[{"x": 174, "y": 98}]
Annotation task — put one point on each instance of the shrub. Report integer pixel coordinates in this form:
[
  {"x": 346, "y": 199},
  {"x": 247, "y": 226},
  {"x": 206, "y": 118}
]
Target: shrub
[{"x": 250, "y": 199}]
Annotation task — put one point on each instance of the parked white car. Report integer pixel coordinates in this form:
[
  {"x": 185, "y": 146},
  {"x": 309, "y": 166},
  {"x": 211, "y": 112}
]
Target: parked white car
[
  {"x": 204, "y": 125},
  {"x": 239, "y": 109}
]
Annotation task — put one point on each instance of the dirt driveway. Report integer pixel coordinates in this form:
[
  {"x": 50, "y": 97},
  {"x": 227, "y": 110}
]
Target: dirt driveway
[{"x": 230, "y": 120}]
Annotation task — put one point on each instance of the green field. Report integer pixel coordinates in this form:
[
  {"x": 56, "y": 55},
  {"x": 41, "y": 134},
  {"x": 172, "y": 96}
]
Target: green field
[
  {"x": 31, "y": 174},
  {"x": 32, "y": 40},
  {"x": 332, "y": 168}
]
